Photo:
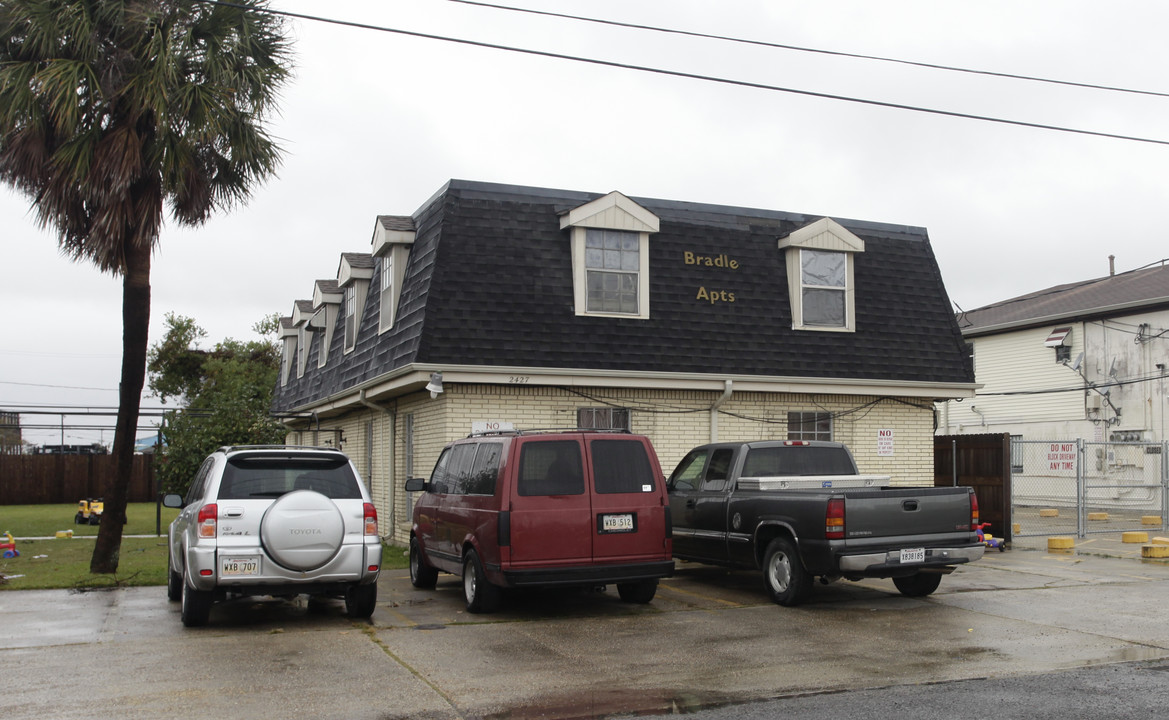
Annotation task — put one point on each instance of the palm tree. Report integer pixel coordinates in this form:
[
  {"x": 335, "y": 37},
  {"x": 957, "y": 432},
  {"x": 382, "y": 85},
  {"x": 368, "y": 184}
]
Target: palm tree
[{"x": 110, "y": 109}]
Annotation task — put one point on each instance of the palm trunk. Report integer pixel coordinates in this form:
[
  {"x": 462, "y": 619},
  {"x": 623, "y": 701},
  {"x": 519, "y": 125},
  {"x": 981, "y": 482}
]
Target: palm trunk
[{"x": 135, "y": 329}]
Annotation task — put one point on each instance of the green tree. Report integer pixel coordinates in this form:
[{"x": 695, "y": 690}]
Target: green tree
[
  {"x": 227, "y": 393},
  {"x": 111, "y": 110}
]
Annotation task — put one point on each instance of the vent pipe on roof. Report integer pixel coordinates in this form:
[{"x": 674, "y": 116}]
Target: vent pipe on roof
[{"x": 1111, "y": 265}]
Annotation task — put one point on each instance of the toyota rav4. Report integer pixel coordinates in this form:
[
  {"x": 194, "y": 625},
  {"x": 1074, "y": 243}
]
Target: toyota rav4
[{"x": 274, "y": 520}]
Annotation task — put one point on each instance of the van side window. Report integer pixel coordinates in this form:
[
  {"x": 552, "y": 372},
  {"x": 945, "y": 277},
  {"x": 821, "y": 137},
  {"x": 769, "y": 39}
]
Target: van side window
[
  {"x": 485, "y": 470},
  {"x": 621, "y": 466},
  {"x": 459, "y": 475},
  {"x": 688, "y": 474},
  {"x": 439, "y": 482},
  {"x": 551, "y": 468}
]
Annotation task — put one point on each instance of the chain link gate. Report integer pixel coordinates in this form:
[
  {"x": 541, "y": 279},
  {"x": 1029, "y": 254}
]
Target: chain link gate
[{"x": 1062, "y": 487}]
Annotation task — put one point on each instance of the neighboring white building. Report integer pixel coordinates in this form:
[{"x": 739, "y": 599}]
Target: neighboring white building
[{"x": 1082, "y": 360}]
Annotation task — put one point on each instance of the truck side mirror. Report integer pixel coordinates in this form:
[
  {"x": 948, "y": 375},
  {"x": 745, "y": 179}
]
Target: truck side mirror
[{"x": 416, "y": 484}]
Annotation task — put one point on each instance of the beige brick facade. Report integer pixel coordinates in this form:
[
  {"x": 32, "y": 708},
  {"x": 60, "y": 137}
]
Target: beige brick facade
[{"x": 888, "y": 436}]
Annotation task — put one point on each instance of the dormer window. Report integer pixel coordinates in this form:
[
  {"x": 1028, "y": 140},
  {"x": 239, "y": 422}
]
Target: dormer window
[
  {"x": 353, "y": 278},
  {"x": 393, "y": 235},
  {"x": 612, "y": 271},
  {"x": 610, "y": 256},
  {"x": 820, "y": 275}
]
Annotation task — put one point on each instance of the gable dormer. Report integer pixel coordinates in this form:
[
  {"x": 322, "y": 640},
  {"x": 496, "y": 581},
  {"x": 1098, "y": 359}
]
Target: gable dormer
[
  {"x": 288, "y": 353},
  {"x": 610, "y": 256},
  {"x": 393, "y": 235},
  {"x": 327, "y": 297},
  {"x": 353, "y": 276},
  {"x": 821, "y": 276},
  {"x": 302, "y": 313}
]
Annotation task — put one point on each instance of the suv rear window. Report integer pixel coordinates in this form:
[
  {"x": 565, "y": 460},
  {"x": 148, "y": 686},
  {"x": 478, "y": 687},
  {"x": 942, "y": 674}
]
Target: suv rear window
[
  {"x": 621, "y": 466},
  {"x": 252, "y": 477}
]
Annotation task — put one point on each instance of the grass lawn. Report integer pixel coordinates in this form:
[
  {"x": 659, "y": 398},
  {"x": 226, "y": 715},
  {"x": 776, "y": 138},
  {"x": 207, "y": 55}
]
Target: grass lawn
[{"x": 64, "y": 563}]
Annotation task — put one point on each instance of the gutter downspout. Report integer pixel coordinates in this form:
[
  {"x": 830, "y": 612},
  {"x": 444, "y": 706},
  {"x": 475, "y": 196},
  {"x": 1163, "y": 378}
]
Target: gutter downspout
[
  {"x": 393, "y": 421},
  {"x": 727, "y": 390}
]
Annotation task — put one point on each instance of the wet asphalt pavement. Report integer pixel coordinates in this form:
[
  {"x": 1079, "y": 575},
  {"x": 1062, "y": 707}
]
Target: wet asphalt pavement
[{"x": 709, "y": 638}]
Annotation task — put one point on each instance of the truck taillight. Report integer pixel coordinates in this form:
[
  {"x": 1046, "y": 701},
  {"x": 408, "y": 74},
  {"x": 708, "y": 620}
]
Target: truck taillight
[
  {"x": 208, "y": 515},
  {"x": 834, "y": 519},
  {"x": 974, "y": 524},
  {"x": 370, "y": 519}
]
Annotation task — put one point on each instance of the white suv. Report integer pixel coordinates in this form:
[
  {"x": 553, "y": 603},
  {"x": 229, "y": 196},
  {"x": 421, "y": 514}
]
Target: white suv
[{"x": 274, "y": 520}]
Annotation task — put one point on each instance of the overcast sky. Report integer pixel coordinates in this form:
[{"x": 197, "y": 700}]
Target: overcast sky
[{"x": 375, "y": 123}]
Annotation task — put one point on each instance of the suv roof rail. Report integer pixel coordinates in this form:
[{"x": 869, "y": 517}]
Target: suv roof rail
[
  {"x": 535, "y": 431},
  {"x": 236, "y": 448}
]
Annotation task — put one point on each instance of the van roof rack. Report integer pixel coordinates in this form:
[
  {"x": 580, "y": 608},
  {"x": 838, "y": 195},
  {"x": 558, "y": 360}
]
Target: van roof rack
[{"x": 538, "y": 431}]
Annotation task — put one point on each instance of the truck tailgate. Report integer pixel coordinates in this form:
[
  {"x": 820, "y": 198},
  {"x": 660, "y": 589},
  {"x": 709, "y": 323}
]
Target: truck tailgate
[{"x": 907, "y": 513}]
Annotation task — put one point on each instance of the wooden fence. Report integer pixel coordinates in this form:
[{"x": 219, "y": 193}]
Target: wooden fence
[
  {"x": 48, "y": 479},
  {"x": 982, "y": 462}
]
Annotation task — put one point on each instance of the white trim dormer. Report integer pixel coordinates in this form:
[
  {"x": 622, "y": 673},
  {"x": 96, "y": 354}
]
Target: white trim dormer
[
  {"x": 820, "y": 260},
  {"x": 326, "y": 302},
  {"x": 610, "y": 256},
  {"x": 302, "y": 313},
  {"x": 288, "y": 355},
  {"x": 393, "y": 236},
  {"x": 353, "y": 276}
]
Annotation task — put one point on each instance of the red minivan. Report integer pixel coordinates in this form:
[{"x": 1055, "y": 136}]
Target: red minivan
[{"x": 539, "y": 508}]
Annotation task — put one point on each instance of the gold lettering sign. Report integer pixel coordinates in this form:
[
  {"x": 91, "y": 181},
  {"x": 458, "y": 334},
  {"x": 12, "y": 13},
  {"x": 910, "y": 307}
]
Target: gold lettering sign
[{"x": 720, "y": 261}]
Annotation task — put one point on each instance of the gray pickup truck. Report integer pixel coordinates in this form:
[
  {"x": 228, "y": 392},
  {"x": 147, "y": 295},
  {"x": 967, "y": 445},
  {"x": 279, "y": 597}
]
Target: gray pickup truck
[{"x": 798, "y": 510}]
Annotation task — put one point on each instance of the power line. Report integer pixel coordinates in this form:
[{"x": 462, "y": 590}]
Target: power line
[
  {"x": 690, "y": 76},
  {"x": 59, "y": 387},
  {"x": 798, "y": 48}
]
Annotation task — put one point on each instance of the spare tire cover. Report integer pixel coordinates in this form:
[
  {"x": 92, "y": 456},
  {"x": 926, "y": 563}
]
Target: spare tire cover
[{"x": 302, "y": 530}]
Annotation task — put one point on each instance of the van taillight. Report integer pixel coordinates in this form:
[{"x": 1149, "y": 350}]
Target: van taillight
[
  {"x": 370, "y": 519},
  {"x": 974, "y": 524},
  {"x": 208, "y": 514},
  {"x": 834, "y": 519}
]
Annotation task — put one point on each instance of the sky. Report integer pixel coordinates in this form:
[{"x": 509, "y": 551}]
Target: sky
[{"x": 374, "y": 123}]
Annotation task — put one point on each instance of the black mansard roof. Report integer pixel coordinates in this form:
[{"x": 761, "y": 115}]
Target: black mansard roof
[{"x": 489, "y": 283}]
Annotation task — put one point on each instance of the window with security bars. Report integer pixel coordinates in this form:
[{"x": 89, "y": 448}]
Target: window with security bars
[
  {"x": 386, "y": 297},
  {"x": 612, "y": 267},
  {"x": 809, "y": 426},
  {"x": 604, "y": 418},
  {"x": 350, "y": 317}
]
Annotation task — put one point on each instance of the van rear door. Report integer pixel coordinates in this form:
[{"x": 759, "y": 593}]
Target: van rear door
[
  {"x": 551, "y": 512},
  {"x": 629, "y": 505}
]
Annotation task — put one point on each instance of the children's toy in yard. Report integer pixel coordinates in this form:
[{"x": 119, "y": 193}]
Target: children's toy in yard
[
  {"x": 8, "y": 547},
  {"x": 89, "y": 511}
]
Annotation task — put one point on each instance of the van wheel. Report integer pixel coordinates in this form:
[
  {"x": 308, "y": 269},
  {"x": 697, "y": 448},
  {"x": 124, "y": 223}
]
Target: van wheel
[
  {"x": 421, "y": 575},
  {"x": 196, "y": 606},
  {"x": 918, "y": 585},
  {"x": 787, "y": 581},
  {"x": 638, "y": 592},
  {"x": 360, "y": 600},
  {"x": 480, "y": 594}
]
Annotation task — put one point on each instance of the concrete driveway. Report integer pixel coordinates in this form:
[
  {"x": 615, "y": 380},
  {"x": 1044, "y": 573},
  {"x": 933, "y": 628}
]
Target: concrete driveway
[{"x": 709, "y": 637}]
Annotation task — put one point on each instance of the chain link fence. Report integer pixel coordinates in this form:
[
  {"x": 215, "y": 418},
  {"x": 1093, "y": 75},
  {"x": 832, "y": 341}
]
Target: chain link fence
[{"x": 1078, "y": 487}]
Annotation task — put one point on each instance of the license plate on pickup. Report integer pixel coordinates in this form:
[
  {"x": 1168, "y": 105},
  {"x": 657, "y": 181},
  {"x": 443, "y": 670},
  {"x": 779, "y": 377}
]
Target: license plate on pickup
[
  {"x": 617, "y": 523},
  {"x": 237, "y": 566},
  {"x": 912, "y": 555}
]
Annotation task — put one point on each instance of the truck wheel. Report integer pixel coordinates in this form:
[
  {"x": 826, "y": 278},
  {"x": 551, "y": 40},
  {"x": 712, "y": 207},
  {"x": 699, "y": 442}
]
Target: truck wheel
[
  {"x": 480, "y": 594},
  {"x": 638, "y": 592},
  {"x": 787, "y": 581},
  {"x": 919, "y": 584},
  {"x": 421, "y": 575},
  {"x": 196, "y": 606},
  {"x": 360, "y": 600}
]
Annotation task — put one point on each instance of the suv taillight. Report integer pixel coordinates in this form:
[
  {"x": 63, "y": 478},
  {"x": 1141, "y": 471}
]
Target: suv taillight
[
  {"x": 370, "y": 520},
  {"x": 834, "y": 519},
  {"x": 208, "y": 514}
]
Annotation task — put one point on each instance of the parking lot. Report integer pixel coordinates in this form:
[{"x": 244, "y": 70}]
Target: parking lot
[{"x": 709, "y": 637}]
